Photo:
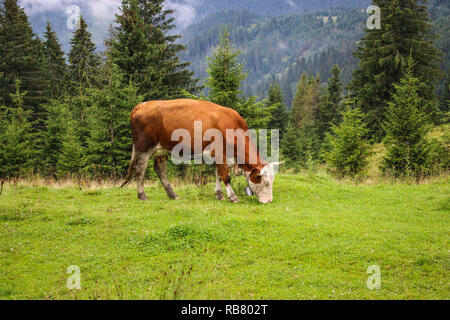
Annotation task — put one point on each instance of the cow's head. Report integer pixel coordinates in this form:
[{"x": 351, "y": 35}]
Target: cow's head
[{"x": 260, "y": 180}]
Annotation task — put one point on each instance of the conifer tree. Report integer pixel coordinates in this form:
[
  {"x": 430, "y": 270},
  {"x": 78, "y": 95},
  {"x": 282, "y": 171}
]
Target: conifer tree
[
  {"x": 444, "y": 103},
  {"x": 57, "y": 110},
  {"x": 383, "y": 53},
  {"x": 407, "y": 126},
  {"x": 71, "y": 158},
  {"x": 348, "y": 149},
  {"x": 224, "y": 83},
  {"x": 109, "y": 142},
  {"x": 17, "y": 139},
  {"x": 299, "y": 100},
  {"x": 306, "y": 100},
  {"x": 226, "y": 74},
  {"x": 279, "y": 115},
  {"x": 330, "y": 103},
  {"x": 21, "y": 58},
  {"x": 144, "y": 49},
  {"x": 84, "y": 63},
  {"x": 56, "y": 63},
  {"x": 290, "y": 145}
]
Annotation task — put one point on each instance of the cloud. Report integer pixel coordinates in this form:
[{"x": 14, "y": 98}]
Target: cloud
[
  {"x": 291, "y": 3},
  {"x": 100, "y": 9},
  {"x": 103, "y": 11},
  {"x": 185, "y": 12}
]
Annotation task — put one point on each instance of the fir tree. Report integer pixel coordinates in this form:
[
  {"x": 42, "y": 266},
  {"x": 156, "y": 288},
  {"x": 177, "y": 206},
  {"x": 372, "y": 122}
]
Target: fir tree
[
  {"x": 224, "y": 83},
  {"x": 330, "y": 103},
  {"x": 444, "y": 101},
  {"x": 109, "y": 142},
  {"x": 348, "y": 149},
  {"x": 21, "y": 58},
  {"x": 83, "y": 61},
  {"x": 407, "y": 126},
  {"x": 382, "y": 53},
  {"x": 145, "y": 51},
  {"x": 280, "y": 115},
  {"x": 17, "y": 140},
  {"x": 226, "y": 74},
  {"x": 290, "y": 145},
  {"x": 299, "y": 100},
  {"x": 56, "y": 63},
  {"x": 71, "y": 158},
  {"x": 57, "y": 111}
]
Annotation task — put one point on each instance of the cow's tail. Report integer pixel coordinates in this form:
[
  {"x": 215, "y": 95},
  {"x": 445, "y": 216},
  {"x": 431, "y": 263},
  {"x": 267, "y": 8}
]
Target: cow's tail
[
  {"x": 130, "y": 168},
  {"x": 134, "y": 156}
]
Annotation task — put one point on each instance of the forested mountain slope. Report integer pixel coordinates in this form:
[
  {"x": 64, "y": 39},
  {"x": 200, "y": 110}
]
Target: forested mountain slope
[{"x": 273, "y": 45}]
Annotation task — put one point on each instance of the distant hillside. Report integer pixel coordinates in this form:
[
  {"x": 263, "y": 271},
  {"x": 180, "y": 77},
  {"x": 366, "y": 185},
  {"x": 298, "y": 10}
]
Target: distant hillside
[
  {"x": 271, "y": 45},
  {"x": 272, "y": 7}
]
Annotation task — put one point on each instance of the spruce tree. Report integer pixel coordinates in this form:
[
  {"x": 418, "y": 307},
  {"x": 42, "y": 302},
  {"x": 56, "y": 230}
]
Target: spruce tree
[
  {"x": 444, "y": 101},
  {"x": 84, "y": 63},
  {"x": 21, "y": 58},
  {"x": 407, "y": 125},
  {"x": 330, "y": 104},
  {"x": 71, "y": 158},
  {"x": 279, "y": 115},
  {"x": 299, "y": 100},
  {"x": 109, "y": 141},
  {"x": 348, "y": 149},
  {"x": 57, "y": 110},
  {"x": 56, "y": 63},
  {"x": 383, "y": 53},
  {"x": 226, "y": 73},
  {"x": 144, "y": 49},
  {"x": 290, "y": 145},
  {"x": 17, "y": 139}
]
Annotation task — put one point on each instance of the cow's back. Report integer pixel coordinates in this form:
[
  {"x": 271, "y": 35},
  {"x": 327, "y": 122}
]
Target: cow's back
[{"x": 154, "y": 121}]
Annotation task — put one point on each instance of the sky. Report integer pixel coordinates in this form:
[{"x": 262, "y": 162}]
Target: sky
[
  {"x": 100, "y": 14},
  {"x": 103, "y": 10}
]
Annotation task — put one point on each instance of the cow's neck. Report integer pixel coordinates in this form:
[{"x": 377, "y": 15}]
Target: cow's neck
[{"x": 251, "y": 153}]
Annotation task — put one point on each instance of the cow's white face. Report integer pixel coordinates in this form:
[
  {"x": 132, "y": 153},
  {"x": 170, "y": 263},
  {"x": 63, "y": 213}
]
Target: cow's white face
[{"x": 262, "y": 183}]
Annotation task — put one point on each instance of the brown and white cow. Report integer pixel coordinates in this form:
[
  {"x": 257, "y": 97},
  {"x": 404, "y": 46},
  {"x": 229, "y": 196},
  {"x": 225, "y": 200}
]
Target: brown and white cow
[{"x": 153, "y": 124}]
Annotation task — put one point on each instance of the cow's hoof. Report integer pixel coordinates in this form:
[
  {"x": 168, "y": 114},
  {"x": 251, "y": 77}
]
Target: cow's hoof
[
  {"x": 219, "y": 196},
  {"x": 142, "y": 197},
  {"x": 175, "y": 197},
  {"x": 234, "y": 199}
]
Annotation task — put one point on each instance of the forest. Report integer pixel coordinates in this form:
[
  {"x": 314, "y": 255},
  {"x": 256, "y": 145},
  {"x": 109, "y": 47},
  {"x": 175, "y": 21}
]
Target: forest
[{"x": 332, "y": 89}]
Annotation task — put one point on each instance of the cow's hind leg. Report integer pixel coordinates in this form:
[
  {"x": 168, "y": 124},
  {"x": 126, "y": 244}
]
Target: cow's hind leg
[
  {"x": 224, "y": 174},
  {"x": 160, "y": 169},
  {"x": 218, "y": 188},
  {"x": 141, "y": 167}
]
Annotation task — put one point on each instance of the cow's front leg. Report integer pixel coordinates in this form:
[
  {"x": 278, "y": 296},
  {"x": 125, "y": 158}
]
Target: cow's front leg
[
  {"x": 218, "y": 188},
  {"x": 160, "y": 168},
  {"x": 224, "y": 174}
]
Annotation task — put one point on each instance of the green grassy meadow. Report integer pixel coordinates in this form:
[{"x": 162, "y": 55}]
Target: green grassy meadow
[{"x": 315, "y": 241}]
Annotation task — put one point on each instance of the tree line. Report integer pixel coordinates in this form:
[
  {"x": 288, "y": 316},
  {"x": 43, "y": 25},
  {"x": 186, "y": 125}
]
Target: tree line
[{"x": 62, "y": 118}]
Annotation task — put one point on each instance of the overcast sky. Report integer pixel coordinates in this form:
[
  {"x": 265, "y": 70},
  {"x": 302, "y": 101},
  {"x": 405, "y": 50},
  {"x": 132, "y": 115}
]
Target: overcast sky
[{"x": 103, "y": 10}]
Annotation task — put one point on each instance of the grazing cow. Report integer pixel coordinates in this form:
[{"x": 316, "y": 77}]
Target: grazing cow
[{"x": 153, "y": 124}]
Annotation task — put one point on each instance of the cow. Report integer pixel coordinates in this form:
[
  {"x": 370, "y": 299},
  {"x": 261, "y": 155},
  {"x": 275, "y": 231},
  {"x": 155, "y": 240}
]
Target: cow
[{"x": 153, "y": 124}]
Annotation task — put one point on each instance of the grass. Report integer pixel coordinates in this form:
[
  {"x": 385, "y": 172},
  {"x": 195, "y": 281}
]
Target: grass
[{"x": 315, "y": 241}]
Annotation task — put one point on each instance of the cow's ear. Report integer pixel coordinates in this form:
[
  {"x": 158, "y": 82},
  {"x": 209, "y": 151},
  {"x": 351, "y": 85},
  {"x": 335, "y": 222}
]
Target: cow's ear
[{"x": 255, "y": 176}]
